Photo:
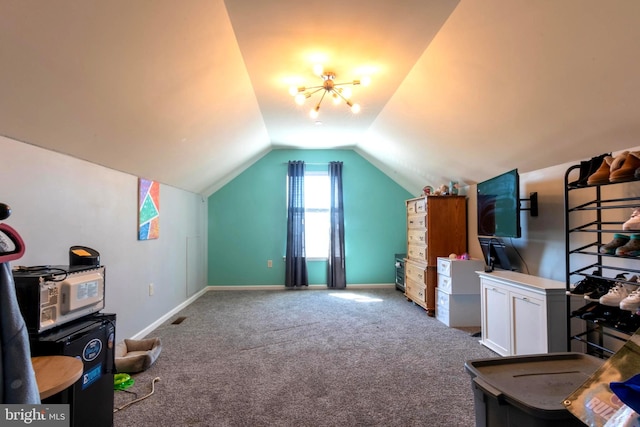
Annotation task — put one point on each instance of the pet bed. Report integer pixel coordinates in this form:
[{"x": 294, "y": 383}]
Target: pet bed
[{"x": 137, "y": 355}]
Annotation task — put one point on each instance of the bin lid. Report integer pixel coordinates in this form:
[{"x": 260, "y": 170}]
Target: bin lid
[{"x": 536, "y": 383}]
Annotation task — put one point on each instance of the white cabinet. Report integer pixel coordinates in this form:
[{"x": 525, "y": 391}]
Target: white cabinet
[
  {"x": 458, "y": 292},
  {"x": 522, "y": 314}
]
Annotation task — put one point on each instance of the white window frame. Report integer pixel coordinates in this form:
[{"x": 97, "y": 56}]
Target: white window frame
[{"x": 317, "y": 244}]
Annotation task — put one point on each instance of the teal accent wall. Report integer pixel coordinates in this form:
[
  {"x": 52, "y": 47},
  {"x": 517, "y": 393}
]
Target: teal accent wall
[{"x": 247, "y": 222}]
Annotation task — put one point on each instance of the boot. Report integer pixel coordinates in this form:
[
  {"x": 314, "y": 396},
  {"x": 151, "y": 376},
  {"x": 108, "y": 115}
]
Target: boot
[{"x": 627, "y": 170}]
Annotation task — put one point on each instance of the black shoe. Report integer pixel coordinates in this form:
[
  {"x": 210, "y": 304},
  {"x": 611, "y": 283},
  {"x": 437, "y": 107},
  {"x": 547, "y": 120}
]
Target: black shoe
[
  {"x": 585, "y": 309},
  {"x": 585, "y": 287},
  {"x": 603, "y": 286},
  {"x": 585, "y": 167},
  {"x": 628, "y": 323},
  {"x": 590, "y": 167}
]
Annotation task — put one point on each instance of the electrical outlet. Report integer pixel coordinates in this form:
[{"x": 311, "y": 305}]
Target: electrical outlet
[
  {"x": 150, "y": 289},
  {"x": 269, "y": 263}
]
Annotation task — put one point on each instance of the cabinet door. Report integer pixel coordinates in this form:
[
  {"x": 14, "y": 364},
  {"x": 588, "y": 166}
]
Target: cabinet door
[
  {"x": 496, "y": 321},
  {"x": 529, "y": 324}
]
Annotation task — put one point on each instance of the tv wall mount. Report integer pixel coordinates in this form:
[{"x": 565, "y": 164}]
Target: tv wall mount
[{"x": 533, "y": 204}]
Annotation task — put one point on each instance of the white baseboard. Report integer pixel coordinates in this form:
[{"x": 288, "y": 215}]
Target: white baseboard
[
  {"x": 146, "y": 331},
  {"x": 143, "y": 333},
  {"x": 281, "y": 287}
]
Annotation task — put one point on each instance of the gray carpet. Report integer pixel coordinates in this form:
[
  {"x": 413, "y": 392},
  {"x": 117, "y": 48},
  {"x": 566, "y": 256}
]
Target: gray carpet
[{"x": 306, "y": 358}]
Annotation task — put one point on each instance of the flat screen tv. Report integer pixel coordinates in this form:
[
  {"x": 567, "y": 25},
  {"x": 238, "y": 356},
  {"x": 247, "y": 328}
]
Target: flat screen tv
[{"x": 499, "y": 206}]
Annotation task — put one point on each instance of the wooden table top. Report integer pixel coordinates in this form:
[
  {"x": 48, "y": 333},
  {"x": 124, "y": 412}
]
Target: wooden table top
[{"x": 55, "y": 373}]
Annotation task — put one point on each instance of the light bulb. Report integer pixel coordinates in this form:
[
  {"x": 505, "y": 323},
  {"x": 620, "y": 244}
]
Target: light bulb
[
  {"x": 365, "y": 81},
  {"x": 336, "y": 98},
  {"x": 314, "y": 113},
  {"x": 300, "y": 98},
  {"x": 318, "y": 69},
  {"x": 346, "y": 92},
  {"x": 293, "y": 91},
  {"x": 355, "y": 108}
]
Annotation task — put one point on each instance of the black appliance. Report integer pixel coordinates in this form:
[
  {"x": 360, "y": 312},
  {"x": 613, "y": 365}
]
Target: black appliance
[
  {"x": 400, "y": 271},
  {"x": 92, "y": 340}
]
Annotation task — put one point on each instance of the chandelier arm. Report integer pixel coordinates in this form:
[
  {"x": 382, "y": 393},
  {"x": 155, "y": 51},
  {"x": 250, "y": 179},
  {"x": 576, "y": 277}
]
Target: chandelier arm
[
  {"x": 353, "y": 83},
  {"x": 349, "y": 103},
  {"x": 319, "y": 88},
  {"x": 321, "y": 98}
]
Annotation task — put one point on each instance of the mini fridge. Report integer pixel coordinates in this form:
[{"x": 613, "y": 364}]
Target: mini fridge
[{"x": 92, "y": 340}]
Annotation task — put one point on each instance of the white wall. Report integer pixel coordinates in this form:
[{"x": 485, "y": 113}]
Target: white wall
[{"x": 59, "y": 201}]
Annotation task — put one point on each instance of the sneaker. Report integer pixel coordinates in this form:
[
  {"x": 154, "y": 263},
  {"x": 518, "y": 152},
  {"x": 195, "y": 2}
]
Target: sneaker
[
  {"x": 587, "y": 285},
  {"x": 618, "y": 292},
  {"x": 604, "y": 285},
  {"x": 632, "y": 223},
  {"x": 632, "y": 301},
  {"x": 618, "y": 240},
  {"x": 601, "y": 290},
  {"x": 632, "y": 248}
]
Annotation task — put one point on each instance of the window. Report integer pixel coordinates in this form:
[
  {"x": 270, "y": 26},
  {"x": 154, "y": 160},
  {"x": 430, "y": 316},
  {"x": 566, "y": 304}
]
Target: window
[{"x": 317, "y": 203}]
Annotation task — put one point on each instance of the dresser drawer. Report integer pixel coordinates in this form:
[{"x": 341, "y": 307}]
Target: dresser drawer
[
  {"x": 417, "y": 221},
  {"x": 417, "y": 252},
  {"x": 415, "y": 272},
  {"x": 416, "y": 291},
  {"x": 411, "y": 207},
  {"x": 416, "y": 236},
  {"x": 421, "y": 205}
]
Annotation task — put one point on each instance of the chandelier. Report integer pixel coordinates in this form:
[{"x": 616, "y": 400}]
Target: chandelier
[{"x": 338, "y": 92}]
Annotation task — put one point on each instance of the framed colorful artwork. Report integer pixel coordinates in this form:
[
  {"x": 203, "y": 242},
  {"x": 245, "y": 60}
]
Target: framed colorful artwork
[{"x": 148, "y": 209}]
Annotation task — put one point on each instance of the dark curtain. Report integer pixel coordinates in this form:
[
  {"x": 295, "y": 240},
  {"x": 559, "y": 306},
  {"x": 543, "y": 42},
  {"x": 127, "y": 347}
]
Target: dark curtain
[
  {"x": 336, "y": 276},
  {"x": 295, "y": 262}
]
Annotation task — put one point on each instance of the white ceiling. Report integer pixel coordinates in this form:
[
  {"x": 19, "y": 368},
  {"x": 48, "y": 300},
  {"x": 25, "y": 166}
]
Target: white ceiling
[{"x": 190, "y": 93}]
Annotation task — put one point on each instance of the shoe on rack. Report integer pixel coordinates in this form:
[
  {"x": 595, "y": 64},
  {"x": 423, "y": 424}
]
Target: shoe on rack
[
  {"x": 601, "y": 290},
  {"x": 588, "y": 168},
  {"x": 589, "y": 284},
  {"x": 619, "y": 292},
  {"x": 603, "y": 314},
  {"x": 585, "y": 309},
  {"x": 607, "y": 167},
  {"x": 618, "y": 161},
  {"x": 632, "y": 248},
  {"x": 603, "y": 287},
  {"x": 601, "y": 175},
  {"x": 628, "y": 323},
  {"x": 633, "y": 223},
  {"x": 631, "y": 302},
  {"x": 617, "y": 241},
  {"x": 626, "y": 172}
]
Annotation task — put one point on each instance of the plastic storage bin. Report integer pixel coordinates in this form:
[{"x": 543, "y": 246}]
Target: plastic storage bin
[{"x": 528, "y": 391}]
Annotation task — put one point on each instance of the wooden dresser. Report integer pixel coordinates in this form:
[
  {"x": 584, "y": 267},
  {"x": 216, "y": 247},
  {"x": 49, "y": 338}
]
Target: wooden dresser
[{"x": 436, "y": 227}]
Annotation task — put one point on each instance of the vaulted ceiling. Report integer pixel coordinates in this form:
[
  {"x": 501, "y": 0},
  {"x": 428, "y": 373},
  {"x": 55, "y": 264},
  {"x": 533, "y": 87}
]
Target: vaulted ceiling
[{"x": 190, "y": 93}]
